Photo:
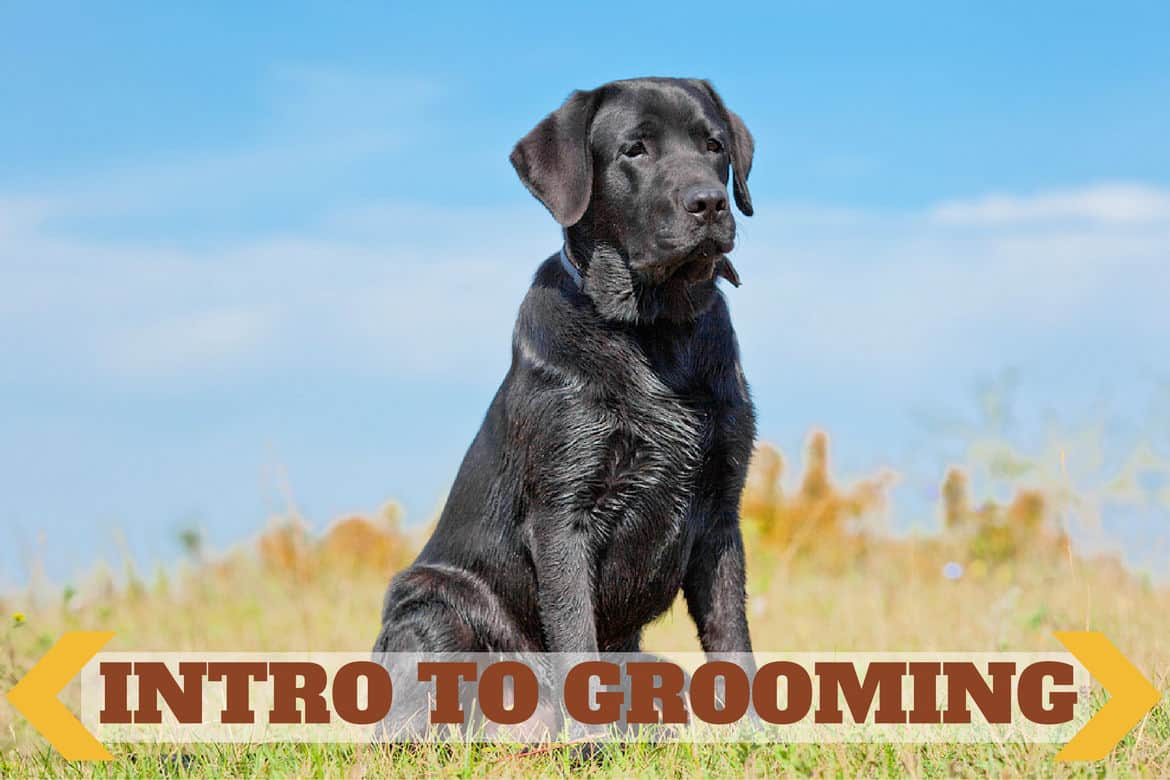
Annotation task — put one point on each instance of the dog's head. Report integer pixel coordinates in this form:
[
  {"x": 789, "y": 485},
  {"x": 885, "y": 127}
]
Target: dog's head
[{"x": 637, "y": 172}]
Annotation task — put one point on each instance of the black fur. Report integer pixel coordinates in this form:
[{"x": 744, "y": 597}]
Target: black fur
[{"x": 607, "y": 473}]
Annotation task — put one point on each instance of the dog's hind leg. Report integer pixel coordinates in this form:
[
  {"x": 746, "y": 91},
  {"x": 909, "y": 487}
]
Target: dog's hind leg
[{"x": 442, "y": 610}]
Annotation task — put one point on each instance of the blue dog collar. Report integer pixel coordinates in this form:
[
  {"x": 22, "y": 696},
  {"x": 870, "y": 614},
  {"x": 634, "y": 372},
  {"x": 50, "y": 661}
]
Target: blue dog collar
[{"x": 570, "y": 269}]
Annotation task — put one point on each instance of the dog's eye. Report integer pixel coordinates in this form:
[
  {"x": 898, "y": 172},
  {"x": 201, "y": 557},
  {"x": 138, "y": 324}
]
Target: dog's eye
[
  {"x": 713, "y": 145},
  {"x": 636, "y": 149}
]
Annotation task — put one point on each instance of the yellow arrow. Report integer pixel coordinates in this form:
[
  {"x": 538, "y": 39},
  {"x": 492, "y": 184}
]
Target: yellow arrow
[
  {"x": 1131, "y": 696},
  {"x": 35, "y": 696}
]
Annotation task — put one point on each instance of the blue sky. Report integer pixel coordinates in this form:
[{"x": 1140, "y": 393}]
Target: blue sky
[{"x": 244, "y": 242}]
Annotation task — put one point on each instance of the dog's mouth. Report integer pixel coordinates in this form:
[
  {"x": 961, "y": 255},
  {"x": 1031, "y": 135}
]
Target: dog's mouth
[{"x": 703, "y": 262}]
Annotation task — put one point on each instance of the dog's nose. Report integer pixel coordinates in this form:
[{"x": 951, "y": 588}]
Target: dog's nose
[{"x": 706, "y": 203}]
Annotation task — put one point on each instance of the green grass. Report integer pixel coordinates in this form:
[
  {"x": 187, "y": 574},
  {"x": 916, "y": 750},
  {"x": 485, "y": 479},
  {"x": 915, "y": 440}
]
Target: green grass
[
  {"x": 891, "y": 597},
  {"x": 626, "y": 760}
]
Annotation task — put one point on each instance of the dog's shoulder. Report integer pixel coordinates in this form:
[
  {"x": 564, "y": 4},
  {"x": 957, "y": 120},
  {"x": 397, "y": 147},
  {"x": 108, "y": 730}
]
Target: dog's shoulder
[
  {"x": 554, "y": 300},
  {"x": 558, "y": 330}
]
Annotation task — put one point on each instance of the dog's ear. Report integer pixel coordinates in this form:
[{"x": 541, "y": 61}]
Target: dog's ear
[
  {"x": 554, "y": 160},
  {"x": 743, "y": 148}
]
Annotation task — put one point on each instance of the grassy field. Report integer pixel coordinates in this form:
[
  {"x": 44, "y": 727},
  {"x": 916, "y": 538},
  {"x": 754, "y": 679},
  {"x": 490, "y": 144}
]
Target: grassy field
[{"x": 817, "y": 581}]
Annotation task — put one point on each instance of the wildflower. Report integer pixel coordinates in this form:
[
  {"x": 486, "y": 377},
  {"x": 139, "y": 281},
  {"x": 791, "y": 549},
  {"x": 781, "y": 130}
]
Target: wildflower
[
  {"x": 18, "y": 618},
  {"x": 953, "y": 570}
]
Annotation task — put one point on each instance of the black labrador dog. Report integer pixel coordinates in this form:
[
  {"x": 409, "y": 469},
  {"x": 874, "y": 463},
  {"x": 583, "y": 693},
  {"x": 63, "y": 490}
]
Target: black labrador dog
[{"x": 607, "y": 472}]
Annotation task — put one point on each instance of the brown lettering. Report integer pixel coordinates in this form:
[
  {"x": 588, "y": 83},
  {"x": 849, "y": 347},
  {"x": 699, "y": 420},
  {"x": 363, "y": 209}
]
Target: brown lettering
[
  {"x": 1030, "y": 693},
  {"x": 766, "y": 689},
  {"x": 736, "y": 692},
  {"x": 155, "y": 680},
  {"x": 446, "y": 675},
  {"x": 609, "y": 703},
  {"x": 237, "y": 677},
  {"x": 925, "y": 675},
  {"x": 883, "y": 678},
  {"x": 379, "y": 692},
  {"x": 115, "y": 708},
  {"x": 293, "y": 680},
  {"x": 492, "y": 689},
  {"x": 644, "y": 692},
  {"x": 994, "y": 701}
]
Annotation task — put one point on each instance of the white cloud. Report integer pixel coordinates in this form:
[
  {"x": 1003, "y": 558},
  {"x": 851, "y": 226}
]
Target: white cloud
[
  {"x": 898, "y": 300},
  {"x": 846, "y": 318},
  {"x": 1109, "y": 203},
  {"x": 387, "y": 290},
  {"x": 21, "y": 213},
  {"x": 205, "y": 342},
  {"x": 432, "y": 292}
]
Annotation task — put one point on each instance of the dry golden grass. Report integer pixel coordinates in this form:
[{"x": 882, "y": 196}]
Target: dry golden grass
[{"x": 819, "y": 579}]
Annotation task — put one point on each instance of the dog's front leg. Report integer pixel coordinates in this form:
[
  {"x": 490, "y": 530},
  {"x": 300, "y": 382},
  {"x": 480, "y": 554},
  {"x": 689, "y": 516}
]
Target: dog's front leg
[
  {"x": 716, "y": 596},
  {"x": 563, "y": 559},
  {"x": 715, "y": 588},
  {"x": 564, "y": 578}
]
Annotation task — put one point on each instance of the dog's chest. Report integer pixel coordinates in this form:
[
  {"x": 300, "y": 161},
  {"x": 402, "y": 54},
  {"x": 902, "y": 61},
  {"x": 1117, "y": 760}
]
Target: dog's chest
[
  {"x": 659, "y": 431},
  {"x": 646, "y": 510},
  {"x": 652, "y": 459}
]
